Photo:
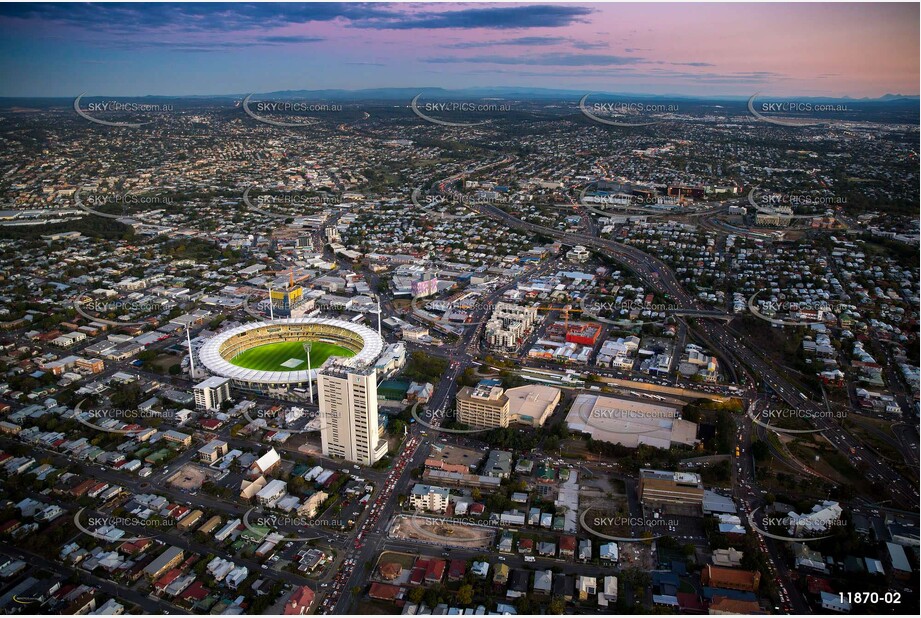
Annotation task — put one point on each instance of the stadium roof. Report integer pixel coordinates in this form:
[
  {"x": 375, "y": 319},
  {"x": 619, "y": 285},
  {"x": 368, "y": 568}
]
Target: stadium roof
[{"x": 211, "y": 358}]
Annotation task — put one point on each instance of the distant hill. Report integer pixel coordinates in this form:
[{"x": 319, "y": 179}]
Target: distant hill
[{"x": 406, "y": 94}]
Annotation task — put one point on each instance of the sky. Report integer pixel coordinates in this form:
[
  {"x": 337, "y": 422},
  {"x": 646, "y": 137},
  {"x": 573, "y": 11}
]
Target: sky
[{"x": 119, "y": 49}]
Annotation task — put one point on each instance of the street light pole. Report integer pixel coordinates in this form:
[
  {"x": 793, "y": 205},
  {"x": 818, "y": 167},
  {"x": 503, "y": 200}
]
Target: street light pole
[{"x": 307, "y": 347}]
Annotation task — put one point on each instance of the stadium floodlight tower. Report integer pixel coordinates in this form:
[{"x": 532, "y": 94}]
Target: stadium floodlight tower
[
  {"x": 307, "y": 346},
  {"x": 271, "y": 311},
  {"x": 188, "y": 338},
  {"x": 378, "y": 312}
]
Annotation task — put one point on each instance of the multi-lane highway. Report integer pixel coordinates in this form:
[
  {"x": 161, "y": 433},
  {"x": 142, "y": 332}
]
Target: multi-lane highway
[{"x": 659, "y": 277}]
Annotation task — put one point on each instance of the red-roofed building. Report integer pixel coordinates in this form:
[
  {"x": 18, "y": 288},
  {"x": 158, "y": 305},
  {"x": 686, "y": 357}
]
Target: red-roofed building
[
  {"x": 46, "y": 337},
  {"x": 129, "y": 548},
  {"x": 456, "y": 570},
  {"x": 299, "y": 602},
  {"x": 526, "y": 546},
  {"x": 9, "y": 526},
  {"x": 418, "y": 574},
  {"x": 82, "y": 488},
  {"x": 384, "y": 592},
  {"x": 690, "y": 603},
  {"x": 435, "y": 571},
  {"x": 567, "y": 546},
  {"x": 211, "y": 424},
  {"x": 177, "y": 511},
  {"x": 437, "y": 464},
  {"x": 477, "y": 508},
  {"x": 724, "y": 605},
  {"x": 584, "y": 333},
  {"x": 63, "y": 591},
  {"x": 194, "y": 593},
  {"x": 188, "y": 562},
  {"x": 733, "y": 579},
  {"x": 171, "y": 576},
  {"x": 816, "y": 585},
  {"x": 97, "y": 489}
]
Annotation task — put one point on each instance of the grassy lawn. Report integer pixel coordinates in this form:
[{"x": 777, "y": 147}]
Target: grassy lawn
[
  {"x": 370, "y": 607},
  {"x": 875, "y": 442},
  {"x": 576, "y": 448},
  {"x": 404, "y": 560},
  {"x": 270, "y": 357},
  {"x": 163, "y": 362}
]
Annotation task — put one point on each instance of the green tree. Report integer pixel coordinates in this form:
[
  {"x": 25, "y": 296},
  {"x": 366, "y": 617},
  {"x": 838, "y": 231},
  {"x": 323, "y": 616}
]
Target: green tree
[
  {"x": 760, "y": 450},
  {"x": 416, "y": 595},
  {"x": 557, "y": 606}
]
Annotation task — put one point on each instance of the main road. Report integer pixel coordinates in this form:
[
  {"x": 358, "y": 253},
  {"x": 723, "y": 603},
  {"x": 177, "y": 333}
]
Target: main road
[{"x": 660, "y": 278}]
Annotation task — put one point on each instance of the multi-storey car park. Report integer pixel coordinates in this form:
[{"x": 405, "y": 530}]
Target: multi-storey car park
[{"x": 343, "y": 343}]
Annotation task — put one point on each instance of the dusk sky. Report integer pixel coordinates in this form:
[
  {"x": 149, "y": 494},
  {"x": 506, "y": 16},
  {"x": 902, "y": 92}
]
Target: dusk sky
[{"x": 858, "y": 50}]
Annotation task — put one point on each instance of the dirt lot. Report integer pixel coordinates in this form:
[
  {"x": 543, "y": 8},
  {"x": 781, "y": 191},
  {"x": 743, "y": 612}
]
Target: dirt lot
[
  {"x": 190, "y": 476},
  {"x": 441, "y": 531}
]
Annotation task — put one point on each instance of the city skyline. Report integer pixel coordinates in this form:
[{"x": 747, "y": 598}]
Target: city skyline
[{"x": 831, "y": 50}]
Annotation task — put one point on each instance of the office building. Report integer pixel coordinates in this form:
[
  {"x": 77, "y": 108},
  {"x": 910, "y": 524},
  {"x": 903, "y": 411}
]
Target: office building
[
  {"x": 426, "y": 286},
  {"x": 483, "y": 406},
  {"x": 285, "y": 300},
  {"x": 676, "y": 492}
]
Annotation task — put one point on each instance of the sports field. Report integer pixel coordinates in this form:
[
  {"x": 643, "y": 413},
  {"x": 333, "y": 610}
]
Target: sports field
[{"x": 275, "y": 356}]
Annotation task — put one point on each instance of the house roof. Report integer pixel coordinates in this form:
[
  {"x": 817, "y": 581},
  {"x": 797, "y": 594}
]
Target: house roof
[
  {"x": 435, "y": 570},
  {"x": 268, "y": 460},
  {"x": 299, "y": 601},
  {"x": 734, "y": 606},
  {"x": 457, "y": 569},
  {"x": 195, "y": 592},
  {"x": 736, "y": 578},
  {"x": 383, "y": 592},
  {"x": 390, "y": 570}
]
